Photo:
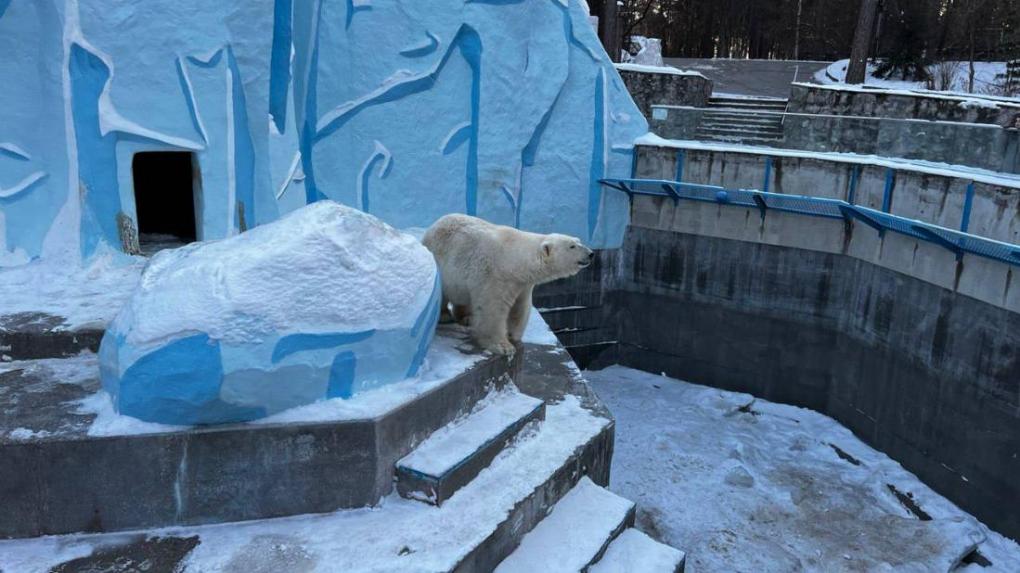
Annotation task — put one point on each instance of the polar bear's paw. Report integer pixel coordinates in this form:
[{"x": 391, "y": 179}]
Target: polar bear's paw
[{"x": 501, "y": 348}]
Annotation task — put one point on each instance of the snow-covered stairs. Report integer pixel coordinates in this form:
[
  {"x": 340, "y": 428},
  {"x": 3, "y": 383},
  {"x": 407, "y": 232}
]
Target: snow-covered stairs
[
  {"x": 635, "y": 552},
  {"x": 575, "y": 534},
  {"x": 453, "y": 455},
  {"x": 743, "y": 120}
]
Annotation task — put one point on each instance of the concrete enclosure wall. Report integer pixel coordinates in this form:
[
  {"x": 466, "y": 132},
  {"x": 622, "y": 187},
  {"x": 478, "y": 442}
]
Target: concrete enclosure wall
[
  {"x": 977, "y": 145},
  {"x": 933, "y": 196},
  {"x": 650, "y": 88},
  {"x": 883, "y": 334},
  {"x": 984, "y": 146},
  {"x": 860, "y": 101}
]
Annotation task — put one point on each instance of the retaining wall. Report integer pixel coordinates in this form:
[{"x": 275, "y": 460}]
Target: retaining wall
[
  {"x": 983, "y": 146},
  {"x": 914, "y": 351},
  {"x": 860, "y": 101},
  {"x": 648, "y": 88},
  {"x": 934, "y": 196}
]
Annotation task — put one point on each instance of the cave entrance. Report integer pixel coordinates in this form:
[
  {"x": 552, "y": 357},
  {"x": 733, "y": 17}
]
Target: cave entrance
[{"x": 165, "y": 198}]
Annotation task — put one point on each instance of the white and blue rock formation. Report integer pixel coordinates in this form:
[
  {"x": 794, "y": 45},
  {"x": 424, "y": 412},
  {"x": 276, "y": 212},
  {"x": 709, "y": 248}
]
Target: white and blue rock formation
[{"x": 323, "y": 303}]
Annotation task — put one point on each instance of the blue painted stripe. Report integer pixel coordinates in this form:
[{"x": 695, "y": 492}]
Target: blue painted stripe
[
  {"x": 597, "y": 166},
  {"x": 279, "y": 66},
  {"x": 293, "y": 343},
  {"x": 890, "y": 184},
  {"x": 768, "y": 174},
  {"x": 680, "y": 158},
  {"x": 855, "y": 176},
  {"x": 968, "y": 203}
]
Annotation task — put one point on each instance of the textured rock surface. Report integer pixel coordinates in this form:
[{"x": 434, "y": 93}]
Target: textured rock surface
[
  {"x": 406, "y": 109},
  {"x": 651, "y": 88},
  {"x": 322, "y": 303}
]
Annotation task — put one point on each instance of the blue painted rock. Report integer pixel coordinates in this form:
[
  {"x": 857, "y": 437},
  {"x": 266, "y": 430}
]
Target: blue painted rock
[{"x": 323, "y": 303}]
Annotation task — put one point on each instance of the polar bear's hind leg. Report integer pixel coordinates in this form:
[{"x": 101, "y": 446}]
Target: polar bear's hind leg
[{"x": 462, "y": 314}]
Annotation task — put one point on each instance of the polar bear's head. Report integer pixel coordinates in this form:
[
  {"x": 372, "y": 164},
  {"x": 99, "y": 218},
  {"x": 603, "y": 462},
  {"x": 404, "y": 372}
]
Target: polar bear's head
[{"x": 564, "y": 255}]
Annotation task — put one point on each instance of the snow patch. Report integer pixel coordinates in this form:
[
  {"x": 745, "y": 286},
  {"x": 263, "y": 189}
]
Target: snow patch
[{"x": 721, "y": 475}]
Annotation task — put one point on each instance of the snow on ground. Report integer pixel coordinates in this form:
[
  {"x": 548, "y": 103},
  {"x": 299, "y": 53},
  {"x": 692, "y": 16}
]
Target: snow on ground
[
  {"x": 88, "y": 296},
  {"x": 747, "y": 485},
  {"x": 984, "y": 78},
  {"x": 399, "y": 535},
  {"x": 655, "y": 70},
  {"x": 918, "y": 165}
]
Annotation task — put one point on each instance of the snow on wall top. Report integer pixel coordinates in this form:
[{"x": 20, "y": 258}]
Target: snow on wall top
[
  {"x": 407, "y": 110},
  {"x": 272, "y": 280}
]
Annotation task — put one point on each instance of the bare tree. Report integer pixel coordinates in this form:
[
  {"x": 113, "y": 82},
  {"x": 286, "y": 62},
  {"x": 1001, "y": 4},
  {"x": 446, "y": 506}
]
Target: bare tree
[{"x": 858, "y": 67}]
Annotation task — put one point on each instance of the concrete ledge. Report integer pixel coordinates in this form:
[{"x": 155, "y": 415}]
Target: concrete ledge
[
  {"x": 63, "y": 480},
  {"x": 32, "y": 335}
]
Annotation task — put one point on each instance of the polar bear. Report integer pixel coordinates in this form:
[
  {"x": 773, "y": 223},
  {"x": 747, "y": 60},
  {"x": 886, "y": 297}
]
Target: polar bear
[{"x": 488, "y": 272}]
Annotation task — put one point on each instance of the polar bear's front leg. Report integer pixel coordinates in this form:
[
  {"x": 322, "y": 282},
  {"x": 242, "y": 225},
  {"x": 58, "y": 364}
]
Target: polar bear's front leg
[
  {"x": 519, "y": 314},
  {"x": 489, "y": 314}
]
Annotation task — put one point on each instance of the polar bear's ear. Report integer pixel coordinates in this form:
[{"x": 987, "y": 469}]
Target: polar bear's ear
[{"x": 547, "y": 248}]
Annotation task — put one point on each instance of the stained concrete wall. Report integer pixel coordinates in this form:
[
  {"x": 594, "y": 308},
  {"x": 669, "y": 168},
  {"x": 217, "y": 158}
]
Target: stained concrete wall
[
  {"x": 648, "y": 88},
  {"x": 915, "y": 352},
  {"x": 984, "y": 146},
  {"x": 843, "y": 100},
  {"x": 917, "y": 194}
]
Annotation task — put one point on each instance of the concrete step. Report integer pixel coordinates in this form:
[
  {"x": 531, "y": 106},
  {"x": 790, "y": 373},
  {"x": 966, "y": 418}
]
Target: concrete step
[
  {"x": 575, "y": 534},
  {"x": 453, "y": 455},
  {"x": 635, "y": 552},
  {"x": 745, "y": 139},
  {"x": 752, "y": 104},
  {"x": 746, "y": 128},
  {"x": 749, "y": 117},
  {"x": 738, "y": 132}
]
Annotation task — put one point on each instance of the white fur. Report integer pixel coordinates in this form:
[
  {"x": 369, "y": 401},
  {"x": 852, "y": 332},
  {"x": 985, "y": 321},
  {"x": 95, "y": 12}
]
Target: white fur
[{"x": 488, "y": 273}]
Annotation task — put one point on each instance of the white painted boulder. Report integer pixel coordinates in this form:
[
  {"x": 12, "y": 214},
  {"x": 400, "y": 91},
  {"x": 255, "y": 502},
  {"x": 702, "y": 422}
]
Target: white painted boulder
[{"x": 323, "y": 303}]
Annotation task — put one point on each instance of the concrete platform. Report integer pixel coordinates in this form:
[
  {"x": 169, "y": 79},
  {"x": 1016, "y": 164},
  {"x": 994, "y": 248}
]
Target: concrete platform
[
  {"x": 31, "y": 335},
  {"x": 68, "y": 463},
  {"x": 473, "y": 531}
]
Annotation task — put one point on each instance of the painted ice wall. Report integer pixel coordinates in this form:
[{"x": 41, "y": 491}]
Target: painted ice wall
[{"x": 507, "y": 109}]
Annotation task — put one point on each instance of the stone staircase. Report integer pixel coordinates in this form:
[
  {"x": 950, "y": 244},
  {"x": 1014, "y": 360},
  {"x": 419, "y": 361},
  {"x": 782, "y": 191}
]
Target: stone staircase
[
  {"x": 500, "y": 466},
  {"x": 452, "y": 456},
  {"x": 591, "y": 529},
  {"x": 753, "y": 121}
]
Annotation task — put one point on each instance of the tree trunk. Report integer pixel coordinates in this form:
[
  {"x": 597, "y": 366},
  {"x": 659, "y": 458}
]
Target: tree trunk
[
  {"x": 970, "y": 56},
  {"x": 611, "y": 30},
  {"x": 858, "y": 67}
]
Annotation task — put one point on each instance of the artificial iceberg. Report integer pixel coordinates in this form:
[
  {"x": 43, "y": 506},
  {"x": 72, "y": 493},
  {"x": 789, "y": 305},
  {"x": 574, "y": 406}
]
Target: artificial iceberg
[{"x": 323, "y": 303}]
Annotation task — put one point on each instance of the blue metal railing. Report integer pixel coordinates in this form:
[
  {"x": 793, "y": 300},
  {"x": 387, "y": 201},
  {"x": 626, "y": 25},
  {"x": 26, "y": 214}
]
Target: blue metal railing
[{"x": 958, "y": 242}]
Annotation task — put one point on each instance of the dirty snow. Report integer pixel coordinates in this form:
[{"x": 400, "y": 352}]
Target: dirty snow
[
  {"x": 747, "y": 485},
  {"x": 399, "y": 535}
]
